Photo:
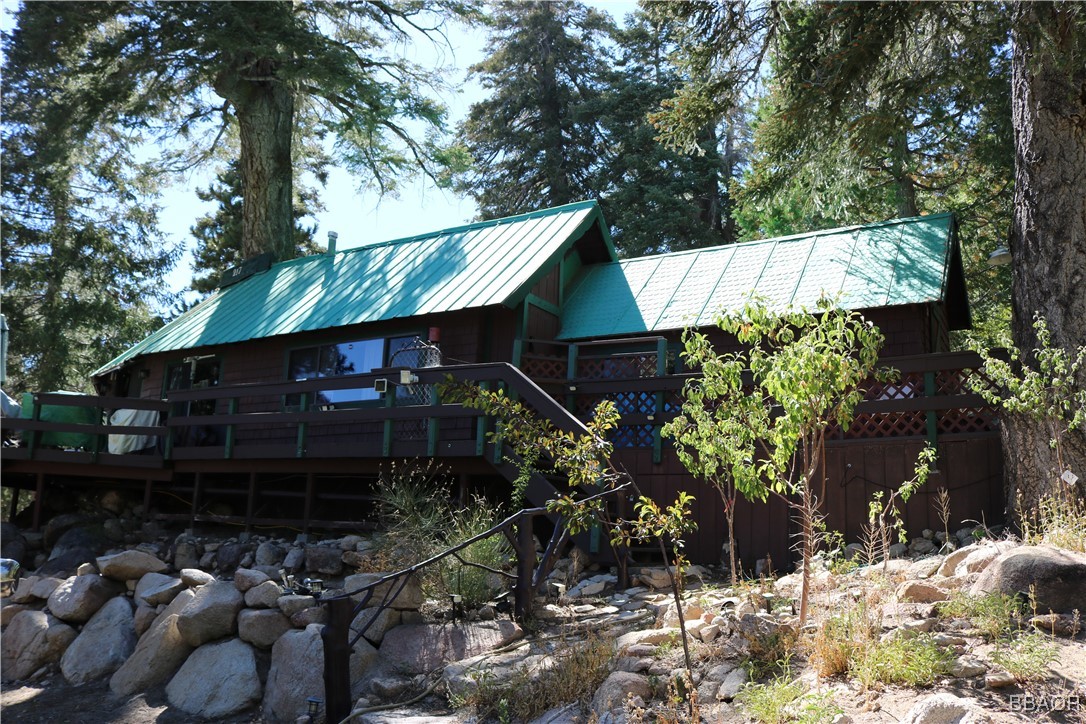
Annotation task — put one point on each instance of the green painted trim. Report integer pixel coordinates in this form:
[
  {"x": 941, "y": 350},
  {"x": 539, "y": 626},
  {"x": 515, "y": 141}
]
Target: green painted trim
[
  {"x": 386, "y": 430},
  {"x": 571, "y": 374},
  {"x": 303, "y": 427},
  {"x": 540, "y": 302},
  {"x": 929, "y": 416},
  {"x": 433, "y": 424},
  {"x": 228, "y": 448}
]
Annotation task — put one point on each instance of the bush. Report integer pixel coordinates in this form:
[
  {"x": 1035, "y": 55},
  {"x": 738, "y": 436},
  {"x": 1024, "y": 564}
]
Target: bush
[
  {"x": 783, "y": 700},
  {"x": 993, "y": 614},
  {"x": 900, "y": 660},
  {"x": 1027, "y": 657}
]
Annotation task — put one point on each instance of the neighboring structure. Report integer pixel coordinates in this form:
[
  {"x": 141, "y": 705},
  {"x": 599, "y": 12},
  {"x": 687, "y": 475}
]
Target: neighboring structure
[{"x": 272, "y": 385}]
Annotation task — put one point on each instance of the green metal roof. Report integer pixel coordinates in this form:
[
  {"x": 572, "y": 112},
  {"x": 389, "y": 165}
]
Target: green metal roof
[
  {"x": 905, "y": 261},
  {"x": 478, "y": 265}
]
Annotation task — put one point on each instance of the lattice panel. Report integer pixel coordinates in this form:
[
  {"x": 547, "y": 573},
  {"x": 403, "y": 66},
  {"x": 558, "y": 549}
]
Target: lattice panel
[
  {"x": 959, "y": 382},
  {"x": 909, "y": 386},
  {"x": 624, "y": 366},
  {"x": 632, "y": 403},
  {"x": 967, "y": 420},
  {"x": 544, "y": 368},
  {"x": 632, "y": 436},
  {"x": 891, "y": 424}
]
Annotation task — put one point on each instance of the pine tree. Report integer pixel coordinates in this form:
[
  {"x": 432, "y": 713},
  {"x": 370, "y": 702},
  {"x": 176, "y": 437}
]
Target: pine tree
[
  {"x": 536, "y": 139},
  {"x": 659, "y": 199},
  {"x": 218, "y": 234},
  {"x": 191, "y": 74}
]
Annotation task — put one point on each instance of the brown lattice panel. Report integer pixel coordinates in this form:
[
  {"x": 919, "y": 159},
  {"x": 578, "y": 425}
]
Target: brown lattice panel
[
  {"x": 892, "y": 424},
  {"x": 906, "y": 387},
  {"x": 544, "y": 368},
  {"x": 632, "y": 436},
  {"x": 968, "y": 420},
  {"x": 624, "y": 366}
]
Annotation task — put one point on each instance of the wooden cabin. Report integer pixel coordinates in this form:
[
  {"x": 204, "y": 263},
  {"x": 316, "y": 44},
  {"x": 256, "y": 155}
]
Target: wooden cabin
[{"x": 277, "y": 400}]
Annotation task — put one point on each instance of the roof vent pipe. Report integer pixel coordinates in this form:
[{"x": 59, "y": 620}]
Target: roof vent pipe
[{"x": 332, "y": 236}]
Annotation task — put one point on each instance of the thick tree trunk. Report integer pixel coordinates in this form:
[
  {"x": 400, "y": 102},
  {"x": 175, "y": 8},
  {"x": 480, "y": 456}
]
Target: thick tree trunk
[
  {"x": 1048, "y": 236},
  {"x": 264, "y": 106},
  {"x": 554, "y": 154}
]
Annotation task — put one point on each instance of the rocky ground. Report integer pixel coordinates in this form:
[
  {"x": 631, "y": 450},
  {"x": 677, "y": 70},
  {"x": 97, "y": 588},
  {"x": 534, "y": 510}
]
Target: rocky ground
[{"x": 178, "y": 628}]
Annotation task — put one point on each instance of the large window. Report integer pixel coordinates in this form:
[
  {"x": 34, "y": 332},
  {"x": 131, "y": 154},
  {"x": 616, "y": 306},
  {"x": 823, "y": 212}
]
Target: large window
[{"x": 342, "y": 359}]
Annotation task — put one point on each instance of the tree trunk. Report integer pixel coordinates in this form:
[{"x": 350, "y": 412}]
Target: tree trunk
[
  {"x": 1048, "y": 234},
  {"x": 554, "y": 153},
  {"x": 264, "y": 105}
]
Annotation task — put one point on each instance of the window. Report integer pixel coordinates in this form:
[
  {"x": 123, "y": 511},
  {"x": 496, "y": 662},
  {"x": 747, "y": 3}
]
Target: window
[{"x": 342, "y": 359}]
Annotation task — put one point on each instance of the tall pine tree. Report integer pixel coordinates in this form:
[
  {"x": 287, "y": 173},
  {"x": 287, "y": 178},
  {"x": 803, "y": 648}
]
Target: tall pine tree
[{"x": 536, "y": 139}]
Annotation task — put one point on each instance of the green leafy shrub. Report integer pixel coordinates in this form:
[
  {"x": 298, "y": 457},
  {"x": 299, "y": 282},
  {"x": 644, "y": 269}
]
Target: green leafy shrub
[
  {"x": 1027, "y": 656},
  {"x": 783, "y": 700},
  {"x": 995, "y": 615},
  {"x": 900, "y": 660}
]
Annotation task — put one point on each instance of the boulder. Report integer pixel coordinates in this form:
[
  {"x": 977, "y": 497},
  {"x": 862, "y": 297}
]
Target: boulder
[
  {"x": 66, "y": 563},
  {"x": 269, "y": 553},
  {"x": 129, "y": 565},
  {"x": 78, "y": 598},
  {"x": 313, "y": 614},
  {"x": 9, "y": 611},
  {"x": 363, "y": 655},
  {"x": 143, "y": 618},
  {"x": 378, "y": 621},
  {"x": 921, "y": 592},
  {"x": 211, "y": 614},
  {"x": 262, "y": 627},
  {"x": 324, "y": 560},
  {"x": 421, "y": 648},
  {"x": 944, "y": 708},
  {"x": 1056, "y": 577},
  {"x": 32, "y": 640},
  {"x": 245, "y": 578},
  {"x": 297, "y": 673},
  {"x": 407, "y": 596},
  {"x": 87, "y": 540},
  {"x": 733, "y": 683},
  {"x": 151, "y": 581},
  {"x": 293, "y": 603},
  {"x": 193, "y": 577},
  {"x": 228, "y": 556},
  {"x": 58, "y": 525},
  {"x": 158, "y": 655},
  {"x": 217, "y": 680},
  {"x": 980, "y": 557},
  {"x": 163, "y": 593},
  {"x": 186, "y": 555},
  {"x": 616, "y": 688},
  {"x": 103, "y": 645},
  {"x": 294, "y": 560},
  {"x": 43, "y": 587},
  {"x": 266, "y": 595},
  {"x": 24, "y": 590}
]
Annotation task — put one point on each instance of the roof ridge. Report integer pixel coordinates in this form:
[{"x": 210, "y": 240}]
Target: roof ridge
[{"x": 789, "y": 237}]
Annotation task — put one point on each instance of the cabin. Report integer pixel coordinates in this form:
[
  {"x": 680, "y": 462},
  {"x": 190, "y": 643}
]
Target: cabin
[{"x": 279, "y": 399}]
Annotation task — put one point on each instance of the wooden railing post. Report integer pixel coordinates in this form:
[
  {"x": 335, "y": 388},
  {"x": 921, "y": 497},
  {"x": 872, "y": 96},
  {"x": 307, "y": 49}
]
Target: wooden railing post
[
  {"x": 571, "y": 375},
  {"x": 302, "y": 427},
  {"x": 386, "y": 427},
  {"x": 522, "y": 597},
  {"x": 228, "y": 447},
  {"x": 35, "y": 415},
  {"x": 337, "y": 659}
]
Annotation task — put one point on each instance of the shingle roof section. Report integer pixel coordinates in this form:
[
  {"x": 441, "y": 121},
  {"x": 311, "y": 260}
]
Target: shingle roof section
[
  {"x": 477, "y": 265},
  {"x": 905, "y": 261}
]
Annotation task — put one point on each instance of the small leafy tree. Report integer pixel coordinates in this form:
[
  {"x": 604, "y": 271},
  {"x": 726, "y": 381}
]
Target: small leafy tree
[
  {"x": 755, "y": 422},
  {"x": 585, "y": 459}
]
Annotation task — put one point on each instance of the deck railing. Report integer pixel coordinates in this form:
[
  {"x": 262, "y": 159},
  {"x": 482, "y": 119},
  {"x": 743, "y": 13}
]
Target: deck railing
[{"x": 931, "y": 396}]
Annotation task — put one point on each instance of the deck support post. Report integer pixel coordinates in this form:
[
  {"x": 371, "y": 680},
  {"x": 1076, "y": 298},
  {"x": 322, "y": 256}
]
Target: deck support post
[
  {"x": 196, "y": 482},
  {"x": 250, "y": 502},
  {"x": 307, "y": 511},
  {"x": 39, "y": 496},
  {"x": 147, "y": 499},
  {"x": 522, "y": 602},
  {"x": 337, "y": 659}
]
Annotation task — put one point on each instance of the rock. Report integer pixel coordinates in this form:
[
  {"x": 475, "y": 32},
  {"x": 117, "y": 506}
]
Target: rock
[
  {"x": 616, "y": 688},
  {"x": 921, "y": 547},
  {"x": 292, "y": 603},
  {"x": 10, "y": 610},
  {"x": 158, "y": 654},
  {"x": 966, "y": 667},
  {"x": 653, "y": 636},
  {"x": 324, "y": 560},
  {"x": 262, "y": 627},
  {"x": 1060, "y": 624},
  {"x": 294, "y": 560},
  {"x": 1056, "y": 577},
  {"x": 155, "y": 589},
  {"x": 732, "y": 684},
  {"x": 921, "y": 592},
  {"x": 245, "y": 578},
  {"x": 363, "y": 655},
  {"x": 409, "y": 597},
  {"x": 129, "y": 565},
  {"x": 23, "y": 590},
  {"x": 709, "y": 633},
  {"x": 377, "y": 622},
  {"x": 86, "y": 569},
  {"x": 63, "y": 564},
  {"x": 307, "y": 616},
  {"x": 193, "y": 577},
  {"x": 228, "y": 556},
  {"x": 143, "y": 618},
  {"x": 944, "y": 708},
  {"x": 421, "y": 648},
  {"x": 211, "y": 614},
  {"x": 217, "y": 680},
  {"x": 186, "y": 555},
  {"x": 898, "y": 550},
  {"x": 269, "y": 554},
  {"x": 78, "y": 598},
  {"x": 264, "y": 595},
  {"x": 297, "y": 673},
  {"x": 103, "y": 645},
  {"x": 58, "y": 525},
  {"x": 980, "y": 557},
  {"x": 999, "y": 679},
  {"x": 655, "y": 577},
  {"x": 32, "y": 640},
  {"x": 951, "y": 562},
  {"x": 43, "y": 588}
]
